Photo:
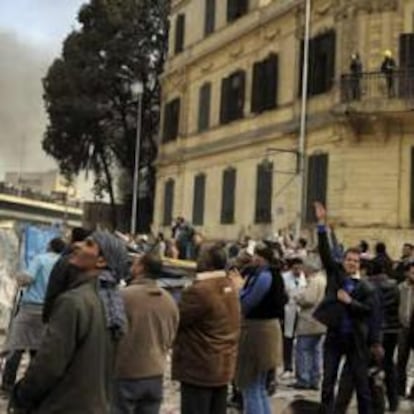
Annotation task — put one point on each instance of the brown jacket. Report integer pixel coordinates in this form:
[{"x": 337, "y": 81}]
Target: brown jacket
[
  {"x": 152, "y": 324},
  {"x": 205, "y": 351}
]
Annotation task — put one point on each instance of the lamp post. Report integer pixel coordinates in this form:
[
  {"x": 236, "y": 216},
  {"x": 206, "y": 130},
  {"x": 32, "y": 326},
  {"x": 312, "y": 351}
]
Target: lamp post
[
  {"x": 137, "y": 89},
  {"x": 303, "y": 120}
]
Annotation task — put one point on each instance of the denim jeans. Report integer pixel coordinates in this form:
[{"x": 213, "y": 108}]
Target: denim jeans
[
  {"x": 255, "y": 398},
  {"x": 308, "y": 360}
]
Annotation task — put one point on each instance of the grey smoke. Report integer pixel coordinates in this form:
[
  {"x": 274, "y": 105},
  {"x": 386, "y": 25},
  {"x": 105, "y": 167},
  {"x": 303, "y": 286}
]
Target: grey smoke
[{"x": 22, "y": 115}]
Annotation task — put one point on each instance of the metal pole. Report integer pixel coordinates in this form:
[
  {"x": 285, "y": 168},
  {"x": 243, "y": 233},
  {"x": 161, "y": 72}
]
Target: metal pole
[
  {"x": 303, "y": 120},
  {"x": 136, "y": 168}
]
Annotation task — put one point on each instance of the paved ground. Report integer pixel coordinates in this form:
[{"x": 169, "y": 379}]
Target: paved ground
[{"x": 282, "y": 398}]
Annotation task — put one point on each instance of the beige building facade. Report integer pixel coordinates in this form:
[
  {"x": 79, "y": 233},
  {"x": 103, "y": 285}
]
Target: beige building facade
[{"x": 231, "y": 113}]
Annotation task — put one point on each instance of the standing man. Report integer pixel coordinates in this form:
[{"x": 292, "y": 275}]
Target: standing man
[
  {"x": 406, "y": 313},
  {"x": 309, "y": 330},
  {"x": 62, "y": 272},
  {"x": 141, "y": 356},
  {"x": 356, "y": 72},
  {"x": 388, "y": 68},
  {"x": 204, "y": 357},
  {"x": 72, "y": 371},
  {"x": 27, "y": 327},
  {"x": 346, "y": 311},
  {"x": 294, "y": 280},
  {"x": 401, "y": 266}
]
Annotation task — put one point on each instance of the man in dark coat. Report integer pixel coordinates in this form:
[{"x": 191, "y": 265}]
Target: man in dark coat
[
  {"x": 62, "y": 273},
  {"x": 347, "y": 310},
  {"x": 389, "y": 295},
  {"x": 72, "y": 371}
]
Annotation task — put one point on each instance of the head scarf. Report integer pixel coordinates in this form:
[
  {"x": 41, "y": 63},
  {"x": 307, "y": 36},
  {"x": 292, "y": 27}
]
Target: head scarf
[{"x": 116, "y": 256}]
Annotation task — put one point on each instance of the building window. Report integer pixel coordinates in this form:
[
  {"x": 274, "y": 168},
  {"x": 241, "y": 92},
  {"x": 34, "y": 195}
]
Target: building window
[
  {"x": 407, "y": 51},
  {"x": 210, "y": 17},
  {"x": 204, "y": 107},
  {"x": 317, "y": 184},
  {"x": 322, "y": 50},
  {"x": 171, "y": 120},
  {"x": 265, "y": 84},
  {"x": 168, "y": 202},
  {"x": 236, "y": 9},
  {"x": 264, "y": 191},
  {"x": 199, "y": 199},
  {"x": 179, "y": 33},
  {"x": 232, "y": 97},
  {"x": 228, "y": 197}
]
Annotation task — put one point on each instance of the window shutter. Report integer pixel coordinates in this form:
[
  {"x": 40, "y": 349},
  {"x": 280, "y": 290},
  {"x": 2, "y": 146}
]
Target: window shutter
[
  {"x": 168, "y": 202},
  {"x": 240, "y": 93},
  {"x": 199, "y": 199},
  {"x": 171, "y": 120},
  {"x": 167, "y": 122},
  {"x": 316, "y": 183},
  {"x": 231, "y": 10},
  {"x": 175, "y": 116},
  {"x": 264, "y": 191},
  {"x": 228, "y": 196},
  {"x": 330, "y": 50},
  {"x": 257, "y": 87},
  {"x": 210, "y": 17},
  {"x": 204, "y": 107},
  {"x": 179, "y": 33},
  {"x": 224, "y": 105},
  {"x": 270, "y": 89}
]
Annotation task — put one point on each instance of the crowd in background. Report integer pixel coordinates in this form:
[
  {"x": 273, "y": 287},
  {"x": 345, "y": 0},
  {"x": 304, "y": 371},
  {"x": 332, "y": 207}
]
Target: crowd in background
[{"x": 252, "y": 308}]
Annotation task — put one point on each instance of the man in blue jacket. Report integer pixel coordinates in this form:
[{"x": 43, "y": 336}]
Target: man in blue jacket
[{"x": 347, "y": 311}]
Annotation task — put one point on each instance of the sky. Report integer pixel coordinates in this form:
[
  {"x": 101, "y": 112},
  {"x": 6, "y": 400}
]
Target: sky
[{"x": 31, "y": 36}]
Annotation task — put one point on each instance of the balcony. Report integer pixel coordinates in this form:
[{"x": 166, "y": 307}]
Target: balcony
[{"x": 375, "y": 92}]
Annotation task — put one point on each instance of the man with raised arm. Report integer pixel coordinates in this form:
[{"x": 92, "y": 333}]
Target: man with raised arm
[{"x": 349, "y": 311}]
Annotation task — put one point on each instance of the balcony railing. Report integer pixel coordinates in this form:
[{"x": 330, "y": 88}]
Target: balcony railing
[{"x": 371, "y": 87}]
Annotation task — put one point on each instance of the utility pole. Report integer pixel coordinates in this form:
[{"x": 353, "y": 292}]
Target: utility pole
[{"x": 303, "y": 120}]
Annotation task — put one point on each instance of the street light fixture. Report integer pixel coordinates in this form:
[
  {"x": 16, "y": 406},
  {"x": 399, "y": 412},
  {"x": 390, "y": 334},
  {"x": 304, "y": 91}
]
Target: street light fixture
[{"x": 137, "y": 91}]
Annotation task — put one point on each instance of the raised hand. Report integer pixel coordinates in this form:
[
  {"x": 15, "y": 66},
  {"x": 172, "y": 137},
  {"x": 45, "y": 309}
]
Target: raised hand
[{"x": 320, "y": 212}]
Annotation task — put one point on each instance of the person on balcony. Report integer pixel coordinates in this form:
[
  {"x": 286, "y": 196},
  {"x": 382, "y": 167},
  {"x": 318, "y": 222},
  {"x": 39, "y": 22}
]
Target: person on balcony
[
  {"x": 388, "y": 68},
  {"x": 356, "y": 75}
]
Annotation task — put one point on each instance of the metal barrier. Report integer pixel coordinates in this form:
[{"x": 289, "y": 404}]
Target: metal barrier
[{"x": 377, "y": 85}]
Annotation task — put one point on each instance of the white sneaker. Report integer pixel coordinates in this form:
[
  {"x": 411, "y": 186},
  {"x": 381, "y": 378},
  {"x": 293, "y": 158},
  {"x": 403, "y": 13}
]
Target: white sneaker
[{"x": 287, "y": 375}]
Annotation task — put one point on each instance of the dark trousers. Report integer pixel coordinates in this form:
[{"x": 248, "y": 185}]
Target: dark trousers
[
  {"x": 288, "y": 354},
  {"x": 346, "y": 389},
  {"x": 140, "y": 396},
  {"x": 11, "y": 367},
  {"x": 336, "y": 347},
  {"x": 203, "y": 400},
  {"x": 390, "y": 342},
  {"x": 404, "y": 350}
]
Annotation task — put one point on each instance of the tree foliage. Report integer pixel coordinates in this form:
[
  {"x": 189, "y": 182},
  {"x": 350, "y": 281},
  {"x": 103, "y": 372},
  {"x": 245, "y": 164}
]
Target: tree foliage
[{"x": 87, "y": 91}]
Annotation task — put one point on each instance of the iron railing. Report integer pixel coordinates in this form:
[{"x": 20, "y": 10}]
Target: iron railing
[{"x": 373, "y": 86}]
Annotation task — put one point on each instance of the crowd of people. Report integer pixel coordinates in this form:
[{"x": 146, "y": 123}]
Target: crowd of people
[{"x": 100, "y": 329}]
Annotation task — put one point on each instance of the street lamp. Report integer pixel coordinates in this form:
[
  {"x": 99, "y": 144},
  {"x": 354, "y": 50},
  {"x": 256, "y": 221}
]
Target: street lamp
[{"x": 137, "y": 90}]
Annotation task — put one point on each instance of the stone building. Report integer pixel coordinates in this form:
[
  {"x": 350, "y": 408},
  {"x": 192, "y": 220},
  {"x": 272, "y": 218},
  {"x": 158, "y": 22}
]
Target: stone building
[{"x": 231, "y": 111}]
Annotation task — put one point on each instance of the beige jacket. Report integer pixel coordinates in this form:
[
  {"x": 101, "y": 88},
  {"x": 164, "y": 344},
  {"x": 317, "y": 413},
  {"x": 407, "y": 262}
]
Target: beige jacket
[
  {"x": 152, "y": 324},
  {"x": 406, "y": 303},
  {"x": 308, "y": 298}
]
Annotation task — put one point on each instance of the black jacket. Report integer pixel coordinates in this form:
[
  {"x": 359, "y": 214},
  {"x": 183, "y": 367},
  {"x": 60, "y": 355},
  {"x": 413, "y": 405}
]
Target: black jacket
[
  {"x": 389, "y": 296},
  {"x": 364, "y": 310}
]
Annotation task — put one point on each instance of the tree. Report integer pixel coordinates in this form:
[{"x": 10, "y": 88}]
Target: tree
[{"x": 87, "y": 91}]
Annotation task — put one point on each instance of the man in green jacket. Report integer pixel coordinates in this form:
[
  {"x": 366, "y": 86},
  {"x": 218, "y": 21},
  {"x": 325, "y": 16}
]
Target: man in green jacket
[{"x": 72, "y": 371}]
